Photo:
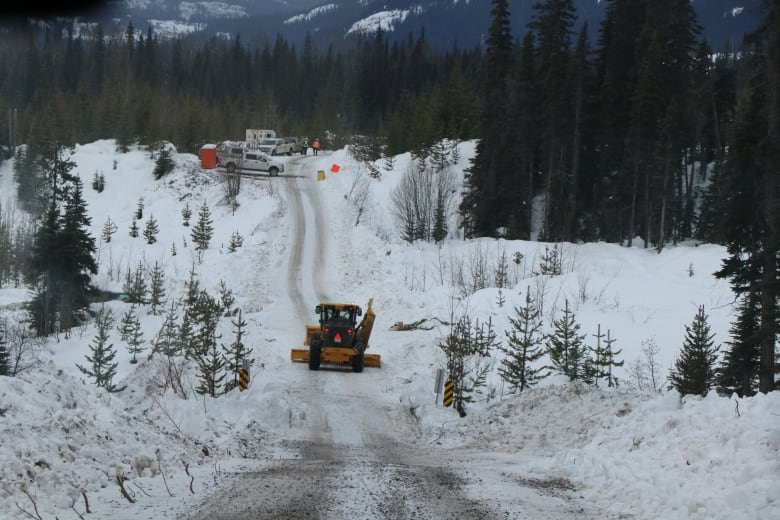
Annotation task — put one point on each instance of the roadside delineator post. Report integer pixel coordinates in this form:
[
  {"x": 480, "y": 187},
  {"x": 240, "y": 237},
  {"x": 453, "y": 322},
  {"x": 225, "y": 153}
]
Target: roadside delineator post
[
  {"x": 243, "y": 375},
  {"x": 449, "y": 393}
]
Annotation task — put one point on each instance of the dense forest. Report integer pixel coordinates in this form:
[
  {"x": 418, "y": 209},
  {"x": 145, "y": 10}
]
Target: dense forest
[{"x": 650, "y": 133}]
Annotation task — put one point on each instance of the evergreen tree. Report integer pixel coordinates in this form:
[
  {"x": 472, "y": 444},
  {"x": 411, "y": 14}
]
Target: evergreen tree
[
  {"x": 186, "y": 213},
  {"x": 552, "y": 25},
  {"x": 227, "y": 299},
  {"x": 749, "y": 211},
  {"x": 236, "y": 352},
  {"x": 157, "y": 288},
  {"x": 168, "y": 340},
  {"x": 236, "y": 241},
  {"x": 78, "y": 263},
  {"x": 135, "y": 288},
  {"x": 738, "y": 371},
  {"x": 134, "y": 228},
  {"x": 168, "y": 343},
  {"x": 209, "y": 358},
  {"x": 484, "y": 205},
  {"x": 164, "y": 163},
  {"x": 109, "y": 228},
  {"x": 523, "y": 348},
  {"x": 203, "y": 231},
  {"x": 97, "y": 182},
  {"x": 603, "y": 359},
  {"x": 139, "y": 209},
  {"x": 694, "y": 370},
  {"x": 468, "y": 348},
  {"x": 61, "y": 261},
  {"x": 151, "y": 230},
  {"x": 565, "y": 346},
  {"x": 42, "y": 274},
  {"x": 551, "y": 262},
  {"x": 131, "y": 333},
  {"x": 29, "y": 176},
  {"x": 101, "y": 366}
]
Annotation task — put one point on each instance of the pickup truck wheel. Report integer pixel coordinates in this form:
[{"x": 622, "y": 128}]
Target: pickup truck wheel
[
  {"x": 231, "y": 168},
  {"x": 273, "y": 171}
]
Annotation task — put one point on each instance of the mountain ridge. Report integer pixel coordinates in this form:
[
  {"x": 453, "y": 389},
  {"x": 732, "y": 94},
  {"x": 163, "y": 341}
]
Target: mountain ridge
[{"x": 448, "y": 23}]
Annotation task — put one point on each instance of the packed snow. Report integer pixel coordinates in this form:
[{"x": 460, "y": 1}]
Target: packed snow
[{"x": 66, "y": 445}]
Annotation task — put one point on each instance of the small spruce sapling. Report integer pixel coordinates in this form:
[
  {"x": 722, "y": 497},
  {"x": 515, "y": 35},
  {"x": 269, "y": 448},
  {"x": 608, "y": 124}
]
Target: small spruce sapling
[{"x": 151, "y": 230}]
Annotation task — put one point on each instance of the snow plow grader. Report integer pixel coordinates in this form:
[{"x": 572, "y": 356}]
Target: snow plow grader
[{"x": 338, "y": 339}]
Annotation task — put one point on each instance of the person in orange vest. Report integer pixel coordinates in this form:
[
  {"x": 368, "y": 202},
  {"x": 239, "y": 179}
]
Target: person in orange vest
[{"x": 315, "y": 145}]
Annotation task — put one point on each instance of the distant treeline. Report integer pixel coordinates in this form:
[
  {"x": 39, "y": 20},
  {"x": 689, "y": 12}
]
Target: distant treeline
[
  {"x": 605, "y": 140},
  {"x": 140, "y": 89}
]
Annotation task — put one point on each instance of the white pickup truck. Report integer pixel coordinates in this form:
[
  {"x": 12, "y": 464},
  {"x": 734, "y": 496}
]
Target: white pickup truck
[
  {"x": 239, "y": 159},
  {"x": 275, "y": 146}
]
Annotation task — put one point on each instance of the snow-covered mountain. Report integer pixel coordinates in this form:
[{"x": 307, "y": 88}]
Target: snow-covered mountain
[{"x": 445, "y": 22}]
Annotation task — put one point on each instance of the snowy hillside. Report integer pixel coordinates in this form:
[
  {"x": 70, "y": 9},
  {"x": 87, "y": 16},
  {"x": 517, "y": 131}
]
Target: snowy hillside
[{"x": 585, "y": 452}]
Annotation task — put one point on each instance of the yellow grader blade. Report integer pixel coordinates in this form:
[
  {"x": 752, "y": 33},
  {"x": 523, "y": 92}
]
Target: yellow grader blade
[{"x": 335, "y": 356}]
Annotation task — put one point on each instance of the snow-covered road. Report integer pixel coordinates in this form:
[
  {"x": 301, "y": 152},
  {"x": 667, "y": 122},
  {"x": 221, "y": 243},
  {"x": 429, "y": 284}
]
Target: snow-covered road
[{"x": 355, "y": 452}]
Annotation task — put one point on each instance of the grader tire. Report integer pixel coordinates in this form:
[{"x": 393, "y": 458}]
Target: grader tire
[
  {"x": 358, "y": 361},
  {"x": 314, "y": 355}
]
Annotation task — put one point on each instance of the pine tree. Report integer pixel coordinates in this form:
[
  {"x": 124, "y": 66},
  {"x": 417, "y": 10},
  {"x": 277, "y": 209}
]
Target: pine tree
[
  {"x": 738, "y": 372},
  {"x": 523, "y": 348},
  {"x": 694, "y": 370},
  {"x": 98, "y": 182},
  {"x": 157, "y": 288},
  {"x": 135, "y": 288},
  {"x": 468, "y": 349},
  {"x": 168, "y": 340},
  {"x": 109, "y": 228},
  {"x": 236, "y": 241},
  {"x": 227, "y": 299},
  {"x": 551, "y": 263},
  {"x": 236, "y": 352},
  {"x": 565, "y": 346},
  {"x": 603, "y": 359},
  {"x": 62, "y": 259},
  {"x": 750, "y": 222},
  {"x": 139, "y": 209},
  {"x": 134, "y": 228},
  {"x": 131, "y": 333},
  {"x": 164, "y": 163},
  {"x": 186, "y": 213},
  {"x": 205, "y": 317},
  {"x": 101, "y": 366},
  {"x": 151, "y": 230},
  {"x": 41, "y": 275},
  {"x": 169, "y": 343},
  {"x": 552, "y": 25},
  {"x": 484, "y": 205},
  {"x": 78, "y": 249},
  {"x": 203, "y": 231}
]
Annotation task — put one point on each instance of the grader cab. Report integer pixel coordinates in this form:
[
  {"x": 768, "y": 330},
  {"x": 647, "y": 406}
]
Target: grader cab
[{"x": 338, "y": 339}]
